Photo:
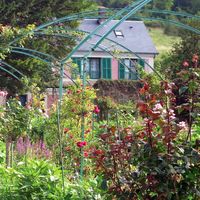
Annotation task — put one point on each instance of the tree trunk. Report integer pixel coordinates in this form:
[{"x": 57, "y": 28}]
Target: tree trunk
[{"x": 8, "y": 144}]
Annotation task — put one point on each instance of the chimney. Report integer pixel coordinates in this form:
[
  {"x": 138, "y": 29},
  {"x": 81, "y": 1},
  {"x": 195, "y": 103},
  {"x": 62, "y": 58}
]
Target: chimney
[{"x": 101, "y": 12}]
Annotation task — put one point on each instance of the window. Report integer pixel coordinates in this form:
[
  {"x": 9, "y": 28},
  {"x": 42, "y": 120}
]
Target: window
[
  {"x": 93, "y": 69},
  {"x": 23, "y": 99},
  {"x": 127, "y": 69},
  {"x": 118, "y": 33},
  {"x": 96, "y": 68}
]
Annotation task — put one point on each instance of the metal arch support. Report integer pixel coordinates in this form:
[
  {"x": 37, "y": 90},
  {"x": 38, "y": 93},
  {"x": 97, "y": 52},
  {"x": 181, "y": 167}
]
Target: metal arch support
[
  {"x": 53, "y": 22},
  {"x": 84, "y": 14},
  {"x": 34, "y": 51},
  {"x": 31, "y": 55},
  {"x": 123, "y": 48},
  {"x": 116, "y": 43},
  {"x": 178, "y": 24},
  {"x": 9, "y": 72},
  {"x": 11, "y": 67},
  {"x": 69, "y": 18},
  {"x": 133, "y": 11},
  {"x": 173, "y": 13},
  {"x": 133, "y": 5}
]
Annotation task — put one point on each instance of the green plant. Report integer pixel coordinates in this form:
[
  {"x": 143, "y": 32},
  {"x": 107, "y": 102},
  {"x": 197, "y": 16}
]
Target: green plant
[{"x": 37, "y": 180}]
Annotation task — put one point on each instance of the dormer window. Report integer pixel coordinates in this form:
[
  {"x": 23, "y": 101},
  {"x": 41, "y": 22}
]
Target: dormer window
[{"x": 118, "y": 33}]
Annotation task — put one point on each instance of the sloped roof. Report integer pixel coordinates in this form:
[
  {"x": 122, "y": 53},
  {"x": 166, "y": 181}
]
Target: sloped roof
[{"x": 136, "y": 37}]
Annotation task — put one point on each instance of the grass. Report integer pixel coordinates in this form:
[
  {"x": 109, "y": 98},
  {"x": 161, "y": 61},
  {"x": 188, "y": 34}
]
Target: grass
[{"x": 163, "y": 42}]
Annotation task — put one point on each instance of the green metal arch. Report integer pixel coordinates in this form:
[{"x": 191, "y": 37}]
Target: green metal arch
[
  {"x": 69, "y": 18},
  {"x": 11, "y": 67},
  {"x": 127, "y": 49},
  {"x": 30, "y": 55},
  {"x": 34, "y": 51},
  {"x": 136, "y": 6},
  {"x": 178, "y": 24},
  {"x": 63, "y": 35},
  {"x": 9, "y": 72}
]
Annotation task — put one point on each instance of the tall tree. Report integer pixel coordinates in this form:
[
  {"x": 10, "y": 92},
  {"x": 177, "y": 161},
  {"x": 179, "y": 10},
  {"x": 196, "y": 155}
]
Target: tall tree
[
  {"x": 19, "y": 14},
  {"x": 167, "y": 4}
]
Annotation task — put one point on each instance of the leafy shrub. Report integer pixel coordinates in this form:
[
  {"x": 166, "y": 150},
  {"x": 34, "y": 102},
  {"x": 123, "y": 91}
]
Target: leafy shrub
[
  {"x": 41, "y": 180},
  {"x": 149, "y": 162}
]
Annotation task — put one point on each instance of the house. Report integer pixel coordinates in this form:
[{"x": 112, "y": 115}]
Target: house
[{"x": 101, "y": 62}]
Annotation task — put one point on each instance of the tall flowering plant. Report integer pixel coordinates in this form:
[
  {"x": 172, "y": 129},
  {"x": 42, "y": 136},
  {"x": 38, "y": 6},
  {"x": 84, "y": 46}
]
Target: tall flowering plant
[
  {"x": 188, "y": 83},
  {"x": 76, "y": 104},
  {"x": 148, "y": 161}
]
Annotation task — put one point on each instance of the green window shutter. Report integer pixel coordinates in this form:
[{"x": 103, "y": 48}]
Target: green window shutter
[
  {"x": 121, "y": 70},
  {"x": 106, "y": 68},
  {"x": 141, "y": 62}
]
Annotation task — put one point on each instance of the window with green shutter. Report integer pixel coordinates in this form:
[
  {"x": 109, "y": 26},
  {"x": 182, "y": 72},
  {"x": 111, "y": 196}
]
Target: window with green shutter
[
  {"x": 106, "y": 68},
  {"x": 76, "y": 71},
  {"x": 127, "y": 69}
]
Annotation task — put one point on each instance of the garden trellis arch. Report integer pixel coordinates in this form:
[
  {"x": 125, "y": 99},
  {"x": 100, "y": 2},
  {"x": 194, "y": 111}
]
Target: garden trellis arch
[{"x": 123, "y": 14}]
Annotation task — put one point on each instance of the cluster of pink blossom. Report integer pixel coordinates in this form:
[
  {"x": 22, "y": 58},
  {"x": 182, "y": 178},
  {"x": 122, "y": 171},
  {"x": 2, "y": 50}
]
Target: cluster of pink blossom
[
  {"x": 38, "y": 149},
  {"x": 3, "y": 93}
]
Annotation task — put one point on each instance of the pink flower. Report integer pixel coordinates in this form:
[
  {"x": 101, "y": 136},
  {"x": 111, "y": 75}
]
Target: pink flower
[
  {"x": 195, "y": 58},
  {"x": 3, "y": 93},
  {"x": 96, "y": 109},
  {"x": 157, "y": 106},
  {"x": 81, "y": 144},
  {"x": 182, "y": 125},
  {"x": 185, "y": 64}
]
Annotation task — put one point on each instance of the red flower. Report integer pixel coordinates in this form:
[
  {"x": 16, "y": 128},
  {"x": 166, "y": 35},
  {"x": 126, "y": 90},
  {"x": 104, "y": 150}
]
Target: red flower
[
  {"x": 81, "y": 144},
  {"x": 69, "y": 92},
  {"x": 144, "y": 89},
  {"x": 85, "y": 154},
  {"x": 185, "y": 64},
  {"x": 97, "y": 152},
  {"x": 142, "y": 106},
  {"x": 96, "y": 109},
  {"x": 87, "y": 131},
  {"x": 66, "y": 130}
]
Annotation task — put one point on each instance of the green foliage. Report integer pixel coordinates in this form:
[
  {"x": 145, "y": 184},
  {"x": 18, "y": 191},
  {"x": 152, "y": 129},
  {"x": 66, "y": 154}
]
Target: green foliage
[
  {"x": 22, "y": 17},
  {"x": 162, "y": 41},
  {"x": 14, "y": 121},
  {"x": 119, "y": 4},
  {"x": 36, "y": 180},
  {"x": 182, "y": 51},
  {"x": 29, "y": 11},
  {"x": 191, "y": 6},
  {"x": 2, "y": 152},
  {"x": 41, "y": 179}
]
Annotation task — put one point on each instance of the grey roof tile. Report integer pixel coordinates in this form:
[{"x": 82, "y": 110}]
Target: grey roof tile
[{"x": 136, "y": 37}]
